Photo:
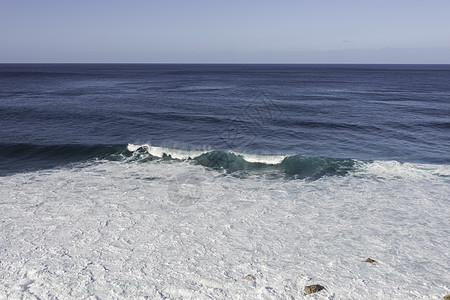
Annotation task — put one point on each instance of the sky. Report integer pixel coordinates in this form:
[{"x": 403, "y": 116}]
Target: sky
[{"x": 245, "y": 31}]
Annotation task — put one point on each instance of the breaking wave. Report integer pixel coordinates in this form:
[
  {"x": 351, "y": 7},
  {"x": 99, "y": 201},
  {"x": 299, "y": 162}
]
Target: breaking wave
[{"x": 236, "y": 162}]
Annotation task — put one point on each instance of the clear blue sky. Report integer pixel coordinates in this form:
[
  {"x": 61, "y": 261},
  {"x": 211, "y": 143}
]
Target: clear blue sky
[{"x": 314, "y": 31}]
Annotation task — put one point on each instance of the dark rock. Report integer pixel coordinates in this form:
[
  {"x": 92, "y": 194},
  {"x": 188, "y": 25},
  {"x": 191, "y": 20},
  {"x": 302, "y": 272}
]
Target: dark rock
[
  {"x": 250, "y": 277},
  {"x": 369, "y": 260},
  {"x": 447, "y": 297},
  {"x": 311, "y": 289}
]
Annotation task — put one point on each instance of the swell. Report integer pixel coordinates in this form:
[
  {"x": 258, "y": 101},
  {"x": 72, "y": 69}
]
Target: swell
[{"x": 16, "y": 158}]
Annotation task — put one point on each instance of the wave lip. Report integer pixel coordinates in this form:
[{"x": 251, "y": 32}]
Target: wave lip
[{"x": 296, "y": 166}]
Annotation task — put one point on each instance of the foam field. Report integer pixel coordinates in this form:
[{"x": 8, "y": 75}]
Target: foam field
[{"x": 177, "y": 230}]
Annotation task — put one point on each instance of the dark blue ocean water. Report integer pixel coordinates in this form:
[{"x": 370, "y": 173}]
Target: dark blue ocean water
[{"x": 53, "y": 114}]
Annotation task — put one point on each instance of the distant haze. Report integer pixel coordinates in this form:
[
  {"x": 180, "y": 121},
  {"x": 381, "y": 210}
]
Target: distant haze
[{"x": 346, "y": 31}]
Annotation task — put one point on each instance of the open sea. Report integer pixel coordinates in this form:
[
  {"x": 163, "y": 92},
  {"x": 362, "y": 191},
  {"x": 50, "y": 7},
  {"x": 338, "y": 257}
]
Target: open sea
[{"x": 175, "y": 181}]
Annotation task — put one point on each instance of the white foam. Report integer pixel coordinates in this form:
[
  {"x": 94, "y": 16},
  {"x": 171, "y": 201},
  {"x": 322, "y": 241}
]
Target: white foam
[
  {"x": 395, "y": 169},
  {"x": 161, "y": 151},
  {"x": 258, "y": 158},
  {"x": 165, "y": 230},
  {"x": 186, "y": 154}
]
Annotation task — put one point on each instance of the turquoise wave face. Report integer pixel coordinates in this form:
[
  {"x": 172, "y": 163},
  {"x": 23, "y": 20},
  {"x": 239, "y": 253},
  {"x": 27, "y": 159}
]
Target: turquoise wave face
[{"x": 296, "y": 166}]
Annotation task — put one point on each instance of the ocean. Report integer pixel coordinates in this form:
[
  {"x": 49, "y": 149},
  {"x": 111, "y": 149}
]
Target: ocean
[{"x": 176, "y": 181}]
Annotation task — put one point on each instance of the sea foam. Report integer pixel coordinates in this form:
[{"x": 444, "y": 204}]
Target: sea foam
[{"x": 180, "y": 230}]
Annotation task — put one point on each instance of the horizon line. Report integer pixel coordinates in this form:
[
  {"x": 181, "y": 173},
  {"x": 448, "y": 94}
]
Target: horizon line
[{"x": 221, "y": 63}]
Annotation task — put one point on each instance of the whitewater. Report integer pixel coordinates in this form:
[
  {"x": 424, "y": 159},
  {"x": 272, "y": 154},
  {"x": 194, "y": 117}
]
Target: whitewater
[{"x": 172, "y": 229}]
